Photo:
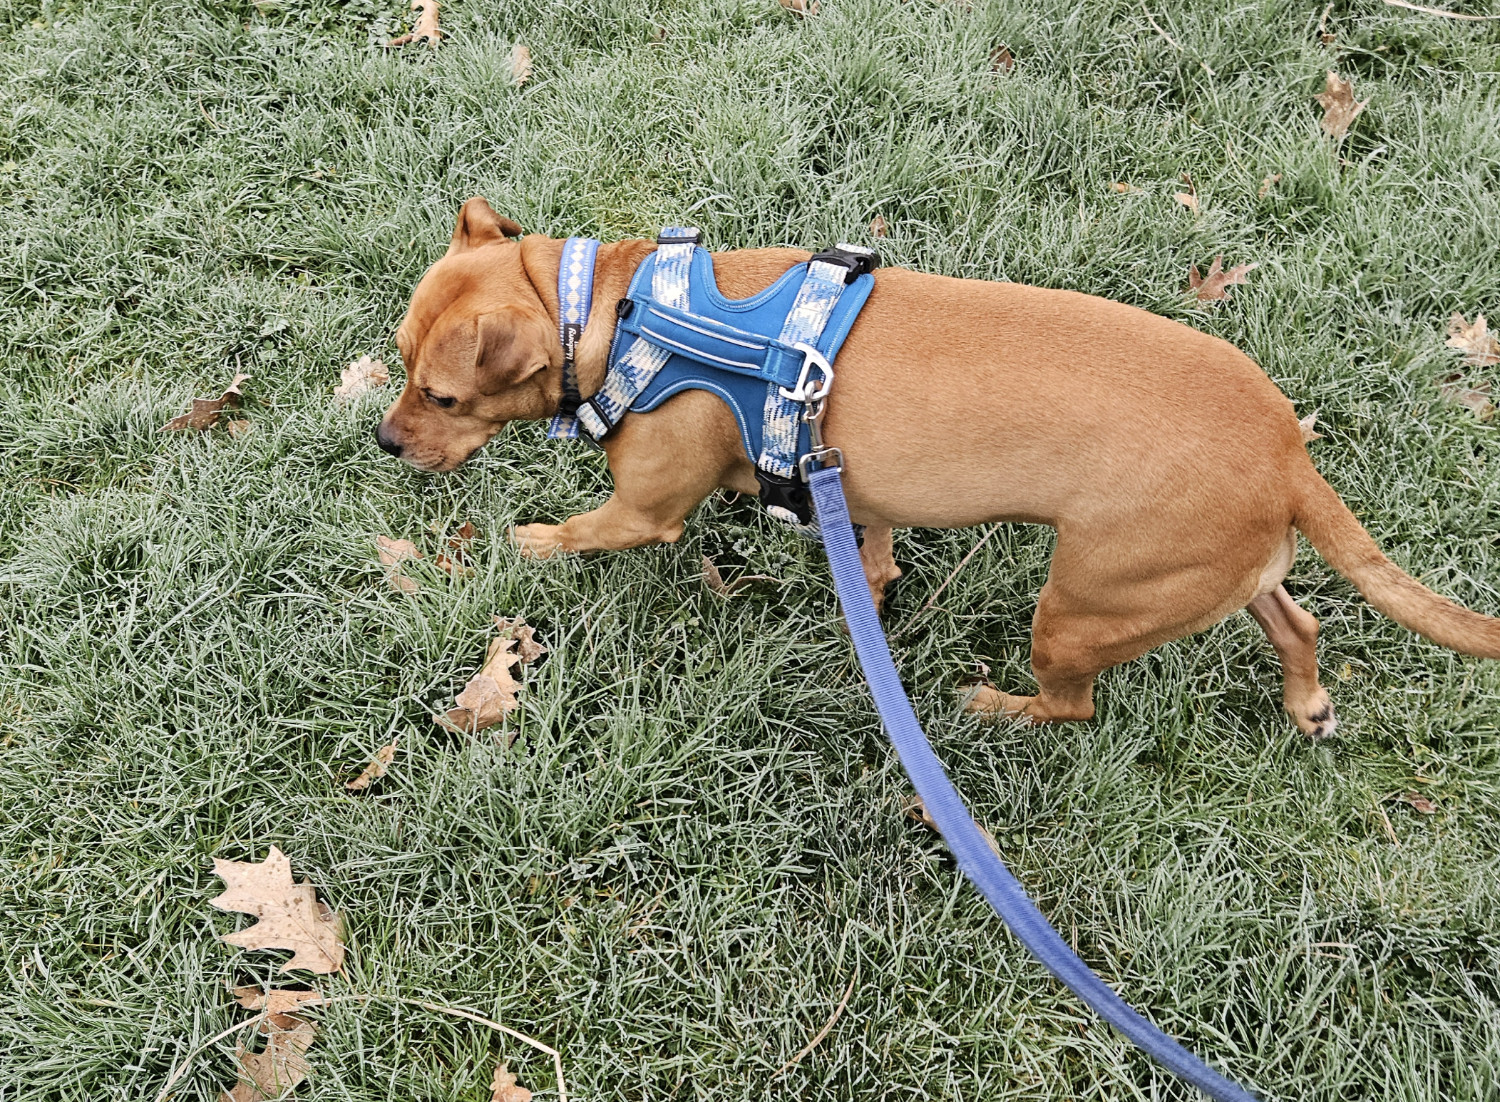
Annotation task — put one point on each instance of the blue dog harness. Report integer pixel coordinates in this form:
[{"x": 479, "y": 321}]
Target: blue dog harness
[
  {"x": 772, "y": 352},
  {"x": 764, "y": 356}
]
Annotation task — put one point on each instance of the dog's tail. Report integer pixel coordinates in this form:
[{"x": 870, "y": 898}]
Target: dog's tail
[{"x": 1329, "y": 526}]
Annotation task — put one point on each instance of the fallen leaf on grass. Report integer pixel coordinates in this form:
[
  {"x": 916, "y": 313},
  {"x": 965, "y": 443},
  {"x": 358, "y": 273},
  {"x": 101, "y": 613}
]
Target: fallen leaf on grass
[
  {"x": 1454, "y": 389},
  {"x": 1188, "y": 198},
  {"x": 1419, "y": 803},
  {"x": 364, "y": 374},
  {"x": 456, "y": 559},
  {"x": 801, "y": 7},
  {"x": 916, "y": 808},
  {"x": 291, "y": 915},
  {"x": 715, "y": 580},
  {"x": 520, "y": 65},
  {"x": 877, "y": 226},
  {"x": 426, "y": 26},
  {"x": 1002, "y": 60},
  {"x": 1309, "y": 433},
  {"x": 205, "y": 411},
  {"x": 1479, "y": 346},
  {"x": 238, "y": 428},
  {"x": 279, "y": 1067},
  {"x": 1267, "y": 184},
  {"x": 376, "y": 769},
  {"x": 1122, "y": 187},
  {"x": 279, "y": 1001},
  {"x": 516, "y": 627},
  {"x": 1214, "y": 287},
  {"x": 392, "y": 554},
  {"x": 490, "y": 695},
  {"x": 1339, "y": 108},
  {"x": 503, "y": 1087}
]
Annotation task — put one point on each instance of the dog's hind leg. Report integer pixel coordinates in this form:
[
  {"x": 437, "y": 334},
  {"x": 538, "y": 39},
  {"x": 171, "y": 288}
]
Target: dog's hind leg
[
  {"x": 1293, "y": 631},
  {"x": 879, "y": 563}
]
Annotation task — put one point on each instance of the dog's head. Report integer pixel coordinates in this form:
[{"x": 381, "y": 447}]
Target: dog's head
[{"x": 477, "y": 344}]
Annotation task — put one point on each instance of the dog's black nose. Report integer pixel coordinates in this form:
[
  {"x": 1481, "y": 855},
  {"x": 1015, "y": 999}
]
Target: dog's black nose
[{"x": 386, "y": 444}]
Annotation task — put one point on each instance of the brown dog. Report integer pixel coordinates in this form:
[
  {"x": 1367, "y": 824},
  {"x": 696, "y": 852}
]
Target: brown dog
[{"x": 1172, "y": 468}]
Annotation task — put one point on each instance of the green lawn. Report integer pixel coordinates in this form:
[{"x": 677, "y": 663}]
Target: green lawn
[{"x": 696, "y": 840}]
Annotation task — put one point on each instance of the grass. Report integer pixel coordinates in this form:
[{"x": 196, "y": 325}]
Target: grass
[{"x": 695, "y": 841}]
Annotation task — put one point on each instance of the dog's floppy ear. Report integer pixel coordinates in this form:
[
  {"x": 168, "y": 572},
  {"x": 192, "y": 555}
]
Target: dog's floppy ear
[
  {"x": 478, "y": 224},
  {"x": 513, "y": 345}
]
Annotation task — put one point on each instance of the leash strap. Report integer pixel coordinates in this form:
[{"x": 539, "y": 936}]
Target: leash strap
[{"x": 965, "y": 840}]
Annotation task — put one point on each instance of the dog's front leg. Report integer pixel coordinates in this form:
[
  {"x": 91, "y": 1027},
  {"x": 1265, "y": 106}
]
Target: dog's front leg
[{"x": 664, "y": 463}]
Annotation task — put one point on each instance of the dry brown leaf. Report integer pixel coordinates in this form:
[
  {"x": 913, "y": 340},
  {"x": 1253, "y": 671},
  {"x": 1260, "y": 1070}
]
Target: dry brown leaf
[
  {"x": 1214, "y": 287},
  {"x": 1309, "y": 433},
  {"x": 877, "y": 226},
  {"x": 1457, "y": 391},
  {"x": 801, "y": 7},
  {"x": 364, "y": 374},
  {"x": 715, "y": 580},
  {"x": 238, "y": 428},
  {"x": 426, "y": 26},
  {"x": 205, "y": 411},
  {"x": 1479, "y": 346},
  {"x": 1188, "y": 198},
  {"x": 1339, "y": 108},
  {"x": 392, "y": 554},
  {"x": 1267, "y": 184},
  {"x": 503, "y": 1087},
  {"x": 279, "y": 1001},
  {"x": 490, "y": 695},
  {"x": 274, "y": 1071},
  {"x": 376, "y": 769},
  {"x": 516, "y": 627},
  {"x": 520, "y": 64},
  {"x": 1419, "y": 803},
  {"x": 291, "y": 915},
  {"x": 456, "y": 559},
  {"x": 464, "y": 535},
  {"x": 1122, "y": 187},
  {"x": 1002, "y": 60},
  {"x": 916, "y": 808}
]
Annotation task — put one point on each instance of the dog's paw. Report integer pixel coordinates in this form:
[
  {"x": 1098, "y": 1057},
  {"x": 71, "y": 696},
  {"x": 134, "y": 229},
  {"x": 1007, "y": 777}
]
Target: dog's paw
[
  {"x": 537, "y": 541},
  {"x": 1315, "y": 717},
  {"x": 985, "y": 700}
]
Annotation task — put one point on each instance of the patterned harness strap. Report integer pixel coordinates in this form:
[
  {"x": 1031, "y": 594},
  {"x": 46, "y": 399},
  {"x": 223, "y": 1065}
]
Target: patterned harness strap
[
  {"x": 575, "y": 294},
  {"x": 633, "y": 371}
]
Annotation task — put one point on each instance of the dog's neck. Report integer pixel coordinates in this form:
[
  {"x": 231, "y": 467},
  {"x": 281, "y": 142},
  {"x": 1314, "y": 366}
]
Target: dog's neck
[{"x": 614, "y": 267}]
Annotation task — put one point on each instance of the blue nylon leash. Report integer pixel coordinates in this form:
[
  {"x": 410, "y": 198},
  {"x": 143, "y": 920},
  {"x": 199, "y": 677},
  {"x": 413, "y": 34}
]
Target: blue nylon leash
[{"x": 968, "y": 845}]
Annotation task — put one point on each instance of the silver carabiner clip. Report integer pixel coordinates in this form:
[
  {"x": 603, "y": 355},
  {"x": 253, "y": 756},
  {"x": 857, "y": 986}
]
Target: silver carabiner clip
[{"x": 804, "y": 391}]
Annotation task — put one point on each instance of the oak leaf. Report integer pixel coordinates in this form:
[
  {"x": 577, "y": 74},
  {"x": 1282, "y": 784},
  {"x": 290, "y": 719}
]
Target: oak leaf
[
  {"x": 426, "y": 26},
  {"x": 1454, "y": 389},
  {"x": 1339, "y": 108},
  {"x": 1479, "y": 346},
  {"x": 1309, "y": 433},
  {"x": 377, "y": 768},
  {"x": 490, "y": 695},
  {"x": 291, "y": 915},
  {"x": 1188, "y": 198},
  {"x": 277, "y": 1001},
  {"x": 503, "y": 1087},
  {"x": 1214, "y": 287},
  {"x": 392, "y": 554},
  {"x": 205, "y": 411},
  {"x": 520, "y": 64},
  {"x": 516, "y": 627},
  {"x": 279, "y": 1067},
  {"x": 364, "y": 374},
  {"x": 456, "y": 559},
  {"x": 714, "y": 580}
]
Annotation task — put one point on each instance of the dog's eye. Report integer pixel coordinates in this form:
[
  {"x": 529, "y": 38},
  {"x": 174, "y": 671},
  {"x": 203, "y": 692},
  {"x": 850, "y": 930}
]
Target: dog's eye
[{"x": 442, "y": 402}]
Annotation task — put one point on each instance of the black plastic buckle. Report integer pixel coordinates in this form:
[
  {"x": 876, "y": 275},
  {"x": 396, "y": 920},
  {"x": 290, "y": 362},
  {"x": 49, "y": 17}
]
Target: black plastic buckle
[
  {"x": 788, "y": 493},
  {"x": 609, "y": 426},
  {"x": 680, "y": 238},
  {"x": 856, "y": 258}
]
